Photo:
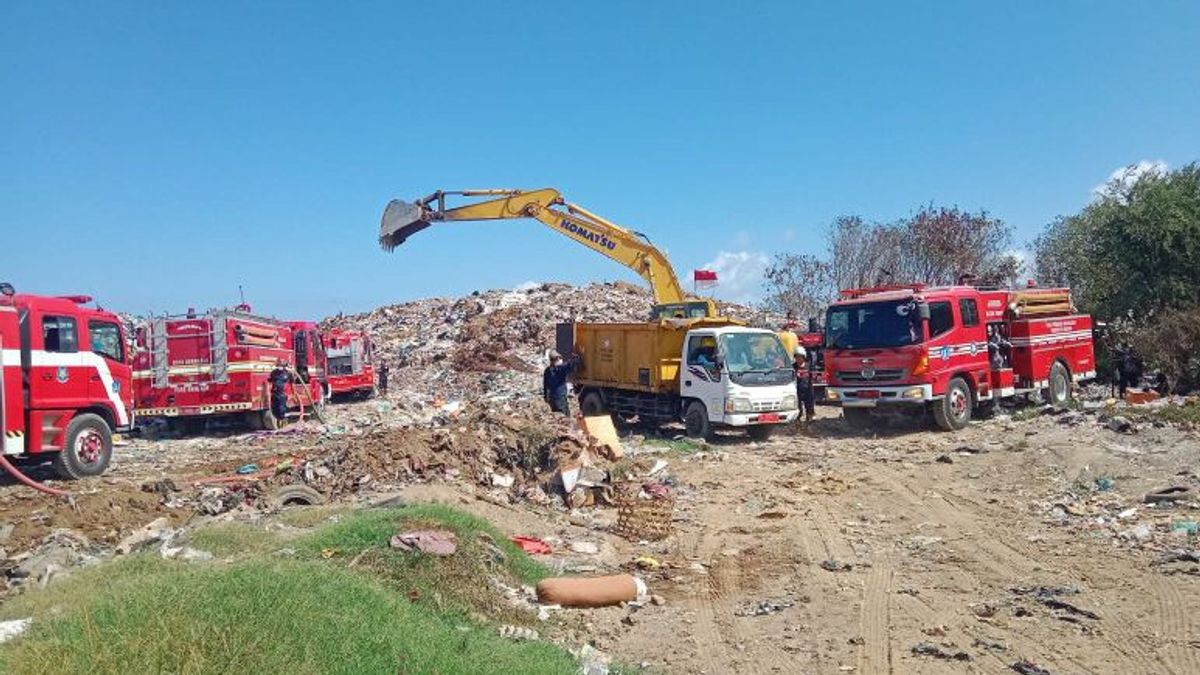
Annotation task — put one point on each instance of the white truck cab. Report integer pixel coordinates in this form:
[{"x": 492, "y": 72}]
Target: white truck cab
[{"x": 736, "y": 377}]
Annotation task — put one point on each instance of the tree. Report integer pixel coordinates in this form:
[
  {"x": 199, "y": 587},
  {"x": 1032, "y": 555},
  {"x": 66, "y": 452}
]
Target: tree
[
  {"x": 1136, "y": 249},
  {"x": 936, "y": 245}
]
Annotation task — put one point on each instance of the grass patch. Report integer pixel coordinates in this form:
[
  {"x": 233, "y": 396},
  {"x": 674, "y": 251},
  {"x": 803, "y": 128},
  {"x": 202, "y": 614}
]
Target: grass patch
[
  {"x": 1186, "y": 415},
  {"x": 144, "y": 615},
  {"x": 682, "y": 445},
  {"x": 226, "y": 539},
  {"x": 456, "y": 585},
  {"x": 311, "y": 516}
]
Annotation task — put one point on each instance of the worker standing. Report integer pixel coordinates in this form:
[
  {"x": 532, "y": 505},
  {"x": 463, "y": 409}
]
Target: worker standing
[
  {"x": 279, "y": 379},
  {"x": 804, "y": 383},
  {"x": 383, "y": 378},
  {"x": 554, "y": 382}
]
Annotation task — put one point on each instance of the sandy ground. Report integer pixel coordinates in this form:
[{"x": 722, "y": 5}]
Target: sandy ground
[{"x": 862, "y": 547}]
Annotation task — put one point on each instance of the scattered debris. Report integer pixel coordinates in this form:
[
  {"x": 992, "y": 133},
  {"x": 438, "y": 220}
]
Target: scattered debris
[
  {"x": 531, "y": 545},
  {"x": 433, "y": 542},
  {"x": 590, "y": 591},
  {"x": 1168, "y": 495},
  {"x": 1025, "y": 667},
  {"x": 517, "y": 632},
  {"x": 930, "y": 649},
  {"x": 832, "y": 565},
  {"x": 765, "y": 607},
  {"x": 585, "y": 547},
  {"x": 944, "y": 459},
  {"x": 13, "y": 628}
]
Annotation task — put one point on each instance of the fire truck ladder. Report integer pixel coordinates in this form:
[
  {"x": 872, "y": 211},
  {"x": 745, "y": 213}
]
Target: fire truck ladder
[{"x": 218, "y": 350}]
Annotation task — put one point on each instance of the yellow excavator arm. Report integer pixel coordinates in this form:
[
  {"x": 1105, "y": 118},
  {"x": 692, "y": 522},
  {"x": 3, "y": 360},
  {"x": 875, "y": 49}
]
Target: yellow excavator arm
[{"x": 403, "y": 219}]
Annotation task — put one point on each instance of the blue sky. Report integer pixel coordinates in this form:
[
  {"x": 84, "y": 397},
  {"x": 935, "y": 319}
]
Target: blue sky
[{"x": 156, "y": 155}]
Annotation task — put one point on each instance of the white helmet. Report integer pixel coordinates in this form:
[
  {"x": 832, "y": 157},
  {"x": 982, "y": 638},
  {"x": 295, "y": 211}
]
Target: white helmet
[{"x": 799, "y": 351}]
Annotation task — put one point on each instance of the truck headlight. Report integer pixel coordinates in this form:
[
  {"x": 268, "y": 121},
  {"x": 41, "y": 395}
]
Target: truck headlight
[
  {"x": 789, "y": 402},
  {"x": 831, "y": 395},
  {"x": 914, "y": 392},
  {"x": 738, "y": 404}
]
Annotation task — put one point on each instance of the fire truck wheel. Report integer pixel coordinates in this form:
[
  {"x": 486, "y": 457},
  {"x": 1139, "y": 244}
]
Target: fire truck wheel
[
  {"x": 296, "y": 495},
  {"x": 695, "y": 421},
  {"x": 88, "y": 449},
  {"x": 1059, "y": 391},
  {"x": 591, "y": 404},
  {"x": 859, "y": 419},
  {"x": 254, "y": 420},
  {"x": 953, "y": 412}
]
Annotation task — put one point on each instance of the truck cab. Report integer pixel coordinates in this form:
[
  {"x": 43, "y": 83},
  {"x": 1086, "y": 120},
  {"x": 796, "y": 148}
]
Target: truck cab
[
  {"x": 736, "y": 377},
  {"x": 66, "y": 384}
]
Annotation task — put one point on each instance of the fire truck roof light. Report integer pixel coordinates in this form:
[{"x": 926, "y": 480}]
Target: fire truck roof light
[{"x": 77, "y": 299}]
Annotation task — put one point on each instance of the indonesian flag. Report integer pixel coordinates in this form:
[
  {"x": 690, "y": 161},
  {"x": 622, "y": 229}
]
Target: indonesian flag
[{"x": 704, "y": 275}]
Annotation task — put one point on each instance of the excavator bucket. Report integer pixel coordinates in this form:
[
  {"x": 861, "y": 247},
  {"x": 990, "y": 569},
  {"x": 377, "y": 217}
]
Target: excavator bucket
[{"x": 401, "y": 220}]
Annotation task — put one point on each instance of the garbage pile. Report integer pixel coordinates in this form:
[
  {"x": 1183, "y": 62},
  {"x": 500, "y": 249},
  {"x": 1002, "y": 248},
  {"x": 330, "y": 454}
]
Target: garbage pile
[{"x": 491, "y": 345}]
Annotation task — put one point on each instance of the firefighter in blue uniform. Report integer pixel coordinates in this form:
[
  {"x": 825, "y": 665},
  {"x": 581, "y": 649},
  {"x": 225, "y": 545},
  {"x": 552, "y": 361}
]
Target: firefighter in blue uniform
[{"x": 279, "y": 379}]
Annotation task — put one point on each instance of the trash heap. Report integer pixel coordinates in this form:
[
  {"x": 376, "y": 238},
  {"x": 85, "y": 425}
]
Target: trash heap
[{"x": 491, "y": 346}]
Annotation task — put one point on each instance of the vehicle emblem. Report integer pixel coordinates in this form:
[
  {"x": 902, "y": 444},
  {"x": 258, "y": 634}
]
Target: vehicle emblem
[
  {"x": 116, "y": 386},
  {"x": 974, "y": 348},
  {"x": 866, "y": 360},
  {"x": 945, "y": 353},
  {"x": 867, "y": 373},
  {"x": 63, "y": 374}
]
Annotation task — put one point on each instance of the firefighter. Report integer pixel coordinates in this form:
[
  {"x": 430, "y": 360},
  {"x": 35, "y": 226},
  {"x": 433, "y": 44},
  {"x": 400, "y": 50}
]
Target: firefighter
[
  {"x": 804, "y": 384},
  {"x": 383, "y": 378},
  {"x": 554, "y": 382},
  {"x": 279, "y": 379},
  {"x": 998, "y": 348}
]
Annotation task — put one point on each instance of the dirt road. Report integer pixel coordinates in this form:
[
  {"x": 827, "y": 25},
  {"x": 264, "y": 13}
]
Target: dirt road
[{"x": 945, "y": 557}]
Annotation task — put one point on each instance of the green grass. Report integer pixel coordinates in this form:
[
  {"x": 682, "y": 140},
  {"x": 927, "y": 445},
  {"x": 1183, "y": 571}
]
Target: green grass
[
  {"x": 311, "y": 516},
  {"x": 366, "y": 609},
  {"x": 227, "y": 539},
  {"x": 683, "y": 445}
]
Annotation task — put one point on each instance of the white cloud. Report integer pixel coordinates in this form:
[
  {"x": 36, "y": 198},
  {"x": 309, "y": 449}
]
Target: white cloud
[
  {"x": 1124, "y": 177},
  {"x": 739, "y": 274}
]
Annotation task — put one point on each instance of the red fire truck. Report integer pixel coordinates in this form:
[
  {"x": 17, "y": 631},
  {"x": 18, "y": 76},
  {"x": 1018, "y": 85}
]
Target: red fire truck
[
  {"x": 66, "y": 381},
  {"x": 896, "y": 349},
  {"x": 351, "y": 363},
  {"x": 192, "y": 368}
]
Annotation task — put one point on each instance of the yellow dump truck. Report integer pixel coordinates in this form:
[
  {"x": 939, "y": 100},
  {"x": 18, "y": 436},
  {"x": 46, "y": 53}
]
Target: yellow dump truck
[{"x": 708, "y": 372}]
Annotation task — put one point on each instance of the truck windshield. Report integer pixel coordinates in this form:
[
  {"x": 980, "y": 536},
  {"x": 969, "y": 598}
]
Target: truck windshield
[
  {"x": 873, "y": 324},
  {"x": 746, "y": 352}
]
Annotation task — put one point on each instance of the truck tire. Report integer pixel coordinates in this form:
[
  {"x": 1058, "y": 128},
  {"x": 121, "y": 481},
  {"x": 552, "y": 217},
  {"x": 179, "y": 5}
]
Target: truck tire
[
  {"x": 591, "y": 403},
  {"x": 859, "y": 419},
  {"x": 88, "y": 448},
  {"x": 1059, "y": 390},
  {"x": 760, "y": 432},
  {"x": 695, "y": 421},
  {"x": 953, "y": 411},
  {"x": 254, "y": 420}
]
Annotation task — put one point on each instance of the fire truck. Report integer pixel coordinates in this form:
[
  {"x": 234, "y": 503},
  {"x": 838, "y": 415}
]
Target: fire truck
[
  {"x": 192, "y": 368},
  {"x": 65, "y": 385},
  {"x": 351, "y": 363},
  {"x": 950, "y": 351}
]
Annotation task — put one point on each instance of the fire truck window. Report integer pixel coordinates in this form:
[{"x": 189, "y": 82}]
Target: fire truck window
[
  {"x": 106, "y": 340},
  {"x": 58, "y": 334},
  {"x": 969, "y": 311},
  {"x": 941, "y": 318}
]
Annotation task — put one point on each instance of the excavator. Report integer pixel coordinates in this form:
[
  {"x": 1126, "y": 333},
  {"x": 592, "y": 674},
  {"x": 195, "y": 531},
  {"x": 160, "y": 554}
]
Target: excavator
[{"x": 633, "y": 249}]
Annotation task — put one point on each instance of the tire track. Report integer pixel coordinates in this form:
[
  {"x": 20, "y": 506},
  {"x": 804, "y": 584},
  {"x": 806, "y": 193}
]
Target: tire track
[{"x": 874, "y": 624}]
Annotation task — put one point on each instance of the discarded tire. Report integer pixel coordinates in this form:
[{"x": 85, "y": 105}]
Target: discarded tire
[{"x": 296, "y": 495}]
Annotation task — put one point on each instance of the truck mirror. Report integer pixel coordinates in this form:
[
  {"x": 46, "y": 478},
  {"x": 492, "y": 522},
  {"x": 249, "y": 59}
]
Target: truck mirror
[{"x": 923, "y": 310}]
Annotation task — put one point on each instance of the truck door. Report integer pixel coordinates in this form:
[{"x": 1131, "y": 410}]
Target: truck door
[
  {"x": 111, "y": 379},
  {"x": 57, "y": 375},
  {"x": 701, "y": 375}
]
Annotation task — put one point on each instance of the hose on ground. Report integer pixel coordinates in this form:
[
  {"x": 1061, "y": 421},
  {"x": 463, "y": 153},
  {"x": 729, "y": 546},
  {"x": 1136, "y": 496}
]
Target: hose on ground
[{"x": 12, "y": 470}]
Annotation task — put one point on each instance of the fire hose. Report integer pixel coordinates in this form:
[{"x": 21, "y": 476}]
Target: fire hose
[{"x": 12, "y": 470}]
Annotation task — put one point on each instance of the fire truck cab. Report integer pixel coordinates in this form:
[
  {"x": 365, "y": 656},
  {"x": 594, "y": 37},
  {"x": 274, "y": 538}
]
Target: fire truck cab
[
  {"x": 65, "y": 385},
  {"x": 351, "y": 363},
  {"x": 951, "y": 350}
]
